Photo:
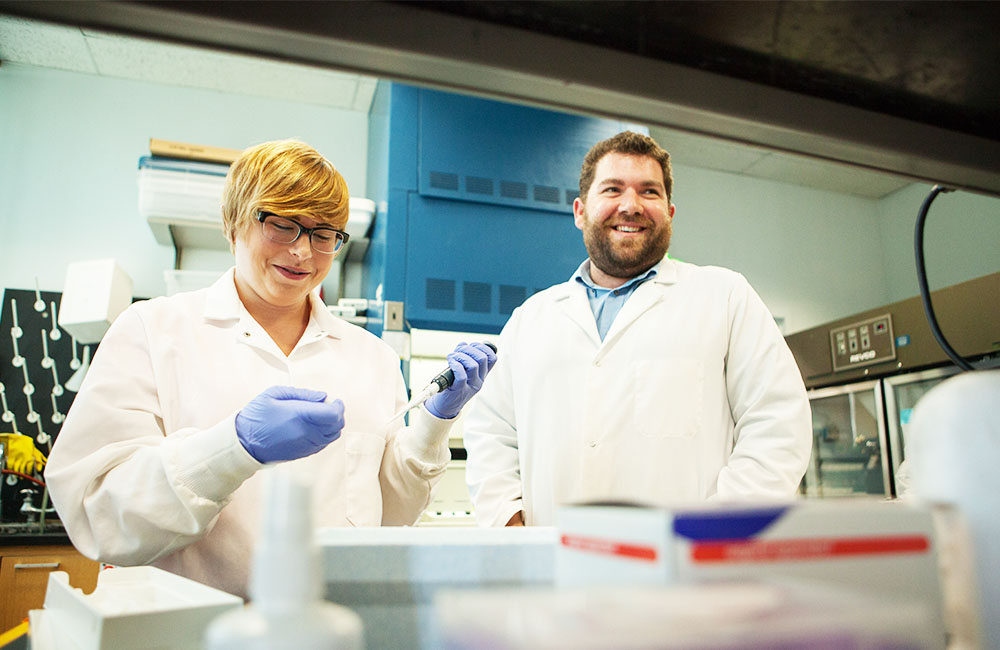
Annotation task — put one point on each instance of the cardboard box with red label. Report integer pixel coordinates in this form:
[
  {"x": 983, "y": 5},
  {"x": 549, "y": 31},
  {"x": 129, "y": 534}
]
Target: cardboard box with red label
[{"x": 879, "y": 548}]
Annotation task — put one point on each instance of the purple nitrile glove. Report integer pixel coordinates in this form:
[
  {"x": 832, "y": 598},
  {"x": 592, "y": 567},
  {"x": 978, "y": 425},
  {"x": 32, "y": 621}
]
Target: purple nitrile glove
[
  {"x": 469, "y": 362},
  {"x": 285, "y": 423}
]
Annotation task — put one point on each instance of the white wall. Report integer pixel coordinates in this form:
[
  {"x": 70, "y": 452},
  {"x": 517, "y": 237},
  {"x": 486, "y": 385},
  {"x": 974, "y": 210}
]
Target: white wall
[
  {"x": 812, "y": 255},
  {"x": 69, "y": 147},
  {"x": 961, "y": 238}
]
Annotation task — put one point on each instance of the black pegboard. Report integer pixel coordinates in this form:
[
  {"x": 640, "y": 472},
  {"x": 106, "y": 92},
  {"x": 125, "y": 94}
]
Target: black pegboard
[{"x": 39, "y": 414}]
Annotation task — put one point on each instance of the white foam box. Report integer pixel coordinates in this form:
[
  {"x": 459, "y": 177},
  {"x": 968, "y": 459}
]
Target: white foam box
[
  {"x": 876, "y": 547},
  {"x": 713, "y": 616},
  {"x": 360, "y": 217},
  {"x": 94, "y": 293},
  {"x": 140, "y": 608},
  {"x": 389, "y": 575}
]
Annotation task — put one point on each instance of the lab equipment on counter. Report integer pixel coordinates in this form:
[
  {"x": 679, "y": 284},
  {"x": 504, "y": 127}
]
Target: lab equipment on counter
[
  {"x": 286, "y": 582},
  {"x": 389, "y": 576},
  {"x": 439, "y": 383},
  {"x": 139, "y": 608},
  {"x": 879, "y": 548},
  {"x": 714, "y": 616}
]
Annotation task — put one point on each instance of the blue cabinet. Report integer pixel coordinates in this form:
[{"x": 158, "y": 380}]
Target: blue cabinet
[{"x": 475, "y": 204}]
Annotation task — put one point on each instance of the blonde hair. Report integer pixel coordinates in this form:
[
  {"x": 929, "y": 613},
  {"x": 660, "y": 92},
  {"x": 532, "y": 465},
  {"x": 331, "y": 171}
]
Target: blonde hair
[{"x": 286, "y": 177}]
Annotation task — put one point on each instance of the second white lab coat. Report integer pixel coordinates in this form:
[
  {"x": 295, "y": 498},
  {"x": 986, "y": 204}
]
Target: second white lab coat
[
  {"x": 148, "y": 468},
  {"x": 693, "y": 394}
]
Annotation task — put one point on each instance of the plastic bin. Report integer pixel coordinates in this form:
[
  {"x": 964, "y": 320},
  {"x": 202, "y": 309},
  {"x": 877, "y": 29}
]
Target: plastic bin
[
  {"x": 178, "y": 188},
  {"x": 139, "y": 608}
]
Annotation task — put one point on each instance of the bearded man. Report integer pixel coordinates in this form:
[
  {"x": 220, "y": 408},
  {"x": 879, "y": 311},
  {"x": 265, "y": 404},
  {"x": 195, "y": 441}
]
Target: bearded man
[{"x": 641, "y": 379}]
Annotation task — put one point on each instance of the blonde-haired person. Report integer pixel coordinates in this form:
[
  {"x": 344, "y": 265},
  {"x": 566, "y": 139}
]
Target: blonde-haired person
[{"x": 189, "y": 396}]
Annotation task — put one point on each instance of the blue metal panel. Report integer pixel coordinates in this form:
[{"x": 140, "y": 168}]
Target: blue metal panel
[
  {"x": 468, "y": 265},
  {"x": 490, "y": 152},
  {"x": 474, "y": 203},
  {"x": 392, "y": 165}
]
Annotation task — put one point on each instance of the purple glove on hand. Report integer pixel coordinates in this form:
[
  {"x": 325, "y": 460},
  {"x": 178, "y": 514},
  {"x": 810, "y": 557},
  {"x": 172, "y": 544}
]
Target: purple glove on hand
[
  {"x": 285, "y": 423},
  {"x": 469, "y": 362}
]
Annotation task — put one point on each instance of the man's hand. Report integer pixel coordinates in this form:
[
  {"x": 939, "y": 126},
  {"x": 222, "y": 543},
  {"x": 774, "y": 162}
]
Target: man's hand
[
  {"x": 285, "y": 423},
  {"x": 516, "y": 520}
]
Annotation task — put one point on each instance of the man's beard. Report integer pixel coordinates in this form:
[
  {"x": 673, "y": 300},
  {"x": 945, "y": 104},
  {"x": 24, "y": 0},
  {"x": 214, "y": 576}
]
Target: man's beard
[{"x": 621, "y": 262}]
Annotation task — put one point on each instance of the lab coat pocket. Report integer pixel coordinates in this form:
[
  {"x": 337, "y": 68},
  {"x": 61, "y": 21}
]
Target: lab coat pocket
[
  {"x": 669, "y": 395},
  {"x": 363, "y": 490}
]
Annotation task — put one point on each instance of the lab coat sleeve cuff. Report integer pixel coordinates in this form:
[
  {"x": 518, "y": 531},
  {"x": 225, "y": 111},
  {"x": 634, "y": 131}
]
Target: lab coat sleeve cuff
[
  {"x": 426, "y": 439},
  {"x": 211, "y": 462}
]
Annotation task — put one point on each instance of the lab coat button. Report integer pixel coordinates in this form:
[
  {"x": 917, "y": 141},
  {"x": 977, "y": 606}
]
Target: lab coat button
[
  {"x": 593, "y": 444},
  {"x": 246, "y": 335}
]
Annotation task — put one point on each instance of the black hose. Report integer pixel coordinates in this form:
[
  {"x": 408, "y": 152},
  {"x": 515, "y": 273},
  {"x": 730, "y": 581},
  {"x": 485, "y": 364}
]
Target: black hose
[{"x": 925, "y": 292}]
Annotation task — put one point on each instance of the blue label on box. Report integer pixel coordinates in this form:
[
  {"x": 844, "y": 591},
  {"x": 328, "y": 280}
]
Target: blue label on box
[
  {"x": 902, "y": 341},
  {"x": 741, "y": 524}
]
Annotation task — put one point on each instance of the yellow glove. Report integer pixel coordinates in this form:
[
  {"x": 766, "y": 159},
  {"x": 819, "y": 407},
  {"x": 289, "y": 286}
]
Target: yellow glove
[{"x": 21, "y": 454}]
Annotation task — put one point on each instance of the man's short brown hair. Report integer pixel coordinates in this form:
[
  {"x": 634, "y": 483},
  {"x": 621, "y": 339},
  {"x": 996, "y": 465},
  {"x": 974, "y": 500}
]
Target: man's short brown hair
[{"x": 631, "y": 144}]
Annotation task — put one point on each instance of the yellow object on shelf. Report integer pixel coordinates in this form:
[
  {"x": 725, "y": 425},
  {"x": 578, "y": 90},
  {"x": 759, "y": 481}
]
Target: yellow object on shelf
[{"x": 21, "y": 454}]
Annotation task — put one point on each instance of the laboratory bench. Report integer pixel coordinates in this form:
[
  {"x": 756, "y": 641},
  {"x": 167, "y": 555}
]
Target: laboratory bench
[{"x": 27, "y": 555}]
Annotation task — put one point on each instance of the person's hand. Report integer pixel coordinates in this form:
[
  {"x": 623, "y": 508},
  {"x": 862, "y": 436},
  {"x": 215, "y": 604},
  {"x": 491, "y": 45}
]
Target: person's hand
[
  {"x": 22, "y": 457},
  {"x": 285, "y": 423},
  {"x": 470, "y": 363}
]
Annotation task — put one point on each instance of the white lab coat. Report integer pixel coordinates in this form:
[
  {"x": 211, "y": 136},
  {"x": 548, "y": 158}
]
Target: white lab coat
[
  {"x": 148, "y": 469},
  {"x": 693, "y": 394}
]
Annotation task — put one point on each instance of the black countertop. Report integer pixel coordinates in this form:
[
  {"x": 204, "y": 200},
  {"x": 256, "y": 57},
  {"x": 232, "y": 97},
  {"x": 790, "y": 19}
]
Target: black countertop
[{"x": 22, "y": 534}]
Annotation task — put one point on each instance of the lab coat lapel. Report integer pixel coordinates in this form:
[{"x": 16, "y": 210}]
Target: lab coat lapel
[
  {"x": 646, "y": 296},
  {"x": 224, "y": 308},
  {"x": 575, "y": 306}
]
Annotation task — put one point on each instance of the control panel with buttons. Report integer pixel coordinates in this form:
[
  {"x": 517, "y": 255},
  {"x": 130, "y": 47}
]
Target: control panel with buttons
[{"x": 863, "y": 343}]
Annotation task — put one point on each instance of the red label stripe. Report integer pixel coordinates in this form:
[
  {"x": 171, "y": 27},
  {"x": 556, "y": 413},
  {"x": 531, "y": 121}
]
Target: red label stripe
[
  {"x": 781, "y": 550},
  {"x": 609, "y": 547}
]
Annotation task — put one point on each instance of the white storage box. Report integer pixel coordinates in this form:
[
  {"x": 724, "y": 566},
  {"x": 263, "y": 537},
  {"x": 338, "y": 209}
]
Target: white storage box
[
  {"x": 95, "y": 292},
  {"x": 362, "y": 213},
  {"x": 138, "y": 608},
  {"x": 389, "y": 575},
  {"x": 181, "y": 188},
  {"x": 719, "y": 616},
  {"x": 883, "y": 549}
]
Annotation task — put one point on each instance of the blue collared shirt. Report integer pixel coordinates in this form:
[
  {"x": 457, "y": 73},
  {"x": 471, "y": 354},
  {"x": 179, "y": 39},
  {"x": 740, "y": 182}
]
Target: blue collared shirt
[{"x": 604, "y": 302}]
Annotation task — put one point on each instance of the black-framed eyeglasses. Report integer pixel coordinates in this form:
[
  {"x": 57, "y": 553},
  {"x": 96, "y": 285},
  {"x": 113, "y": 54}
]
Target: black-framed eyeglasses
[{"x": 323, "y": 239}]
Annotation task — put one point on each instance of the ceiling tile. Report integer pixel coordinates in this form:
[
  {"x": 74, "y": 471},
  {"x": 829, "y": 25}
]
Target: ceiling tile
[
  {"x": 831, "y": 176},
  {"x": 365, "y": 95},
  {"x": 42, "y": 44},
  {"x": 702, "y": 151},
  {"x": 234, "y": 73}
]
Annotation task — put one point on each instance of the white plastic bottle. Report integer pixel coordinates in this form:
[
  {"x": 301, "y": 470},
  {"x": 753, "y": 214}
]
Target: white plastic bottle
[{"x": 286, "y": 609}]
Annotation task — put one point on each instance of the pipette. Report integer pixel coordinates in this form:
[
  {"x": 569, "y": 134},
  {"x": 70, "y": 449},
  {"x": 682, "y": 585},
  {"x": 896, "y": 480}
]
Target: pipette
[{"x": 441, "y": 382}]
